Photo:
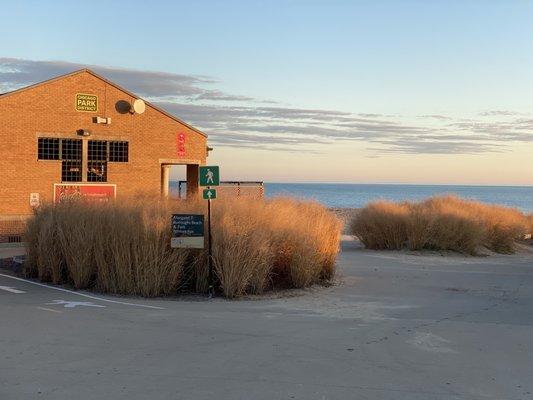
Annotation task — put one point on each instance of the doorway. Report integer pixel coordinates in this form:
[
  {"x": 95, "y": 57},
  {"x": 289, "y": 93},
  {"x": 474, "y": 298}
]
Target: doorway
[{"x": 173, "y": 174}]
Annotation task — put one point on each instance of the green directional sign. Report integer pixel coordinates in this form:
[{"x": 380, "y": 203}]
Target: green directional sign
[
  {"x": 209, "y": 176},
  {"x": 210, "y": 194}
]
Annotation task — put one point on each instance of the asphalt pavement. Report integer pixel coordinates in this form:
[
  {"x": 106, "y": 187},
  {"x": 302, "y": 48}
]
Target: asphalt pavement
[{"x": 395, "y": 326}]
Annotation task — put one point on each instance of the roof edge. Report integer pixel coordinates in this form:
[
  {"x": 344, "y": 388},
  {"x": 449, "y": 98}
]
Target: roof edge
[
  {"x": 37, "y": 84},
  {"x": 89, "y": 71}
]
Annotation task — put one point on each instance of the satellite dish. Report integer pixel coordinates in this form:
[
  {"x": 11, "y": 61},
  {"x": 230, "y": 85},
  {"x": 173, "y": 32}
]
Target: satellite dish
[{"x": 138, "y": 106}]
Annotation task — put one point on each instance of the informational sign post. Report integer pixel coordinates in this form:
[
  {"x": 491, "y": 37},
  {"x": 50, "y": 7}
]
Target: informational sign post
[
  {"x": 187, "y": 231},
  {"x": 209, "y": 176}
]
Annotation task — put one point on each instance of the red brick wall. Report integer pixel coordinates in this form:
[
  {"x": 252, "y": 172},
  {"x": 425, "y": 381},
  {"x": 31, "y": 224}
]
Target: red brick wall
[
  {"x": 48, "y": 110},
  {"x": 12, "y": 227}
]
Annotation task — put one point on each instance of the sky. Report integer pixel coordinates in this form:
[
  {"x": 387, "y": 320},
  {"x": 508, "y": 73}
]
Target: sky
[{"x": 404, "y": 91}]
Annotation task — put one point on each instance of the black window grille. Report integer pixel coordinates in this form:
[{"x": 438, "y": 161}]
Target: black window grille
[
  {"x": 48, "y": 149},
  {"x": 70, "y": 171},
  {"x": 97, "y": 161},
  {"x": 97, "y": 171},
  {"x": 118, "y": 151},
  {"x": 71, "y": 149},
  {"x": 70, "y": 152},
  {"x": 97, "y": 150}
]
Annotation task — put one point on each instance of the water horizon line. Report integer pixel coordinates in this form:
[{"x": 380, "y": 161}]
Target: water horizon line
[{"x": 382, "y": 184}]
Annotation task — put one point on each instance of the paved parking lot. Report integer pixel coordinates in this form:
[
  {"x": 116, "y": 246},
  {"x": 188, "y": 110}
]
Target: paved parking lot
[{"x": 397, "y": 326}]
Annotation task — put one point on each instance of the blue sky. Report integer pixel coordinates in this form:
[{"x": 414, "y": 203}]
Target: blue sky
[{"x": 383, "y": 65}]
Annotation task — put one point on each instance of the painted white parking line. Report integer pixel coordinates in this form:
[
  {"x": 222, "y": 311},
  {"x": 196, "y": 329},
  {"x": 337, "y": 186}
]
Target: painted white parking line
[
  {"x": 11, "y": 289},
  {"x": 82, "y": 294},
  {"x": 73, "y": 304},
  {"x": 50, "y": 309}
]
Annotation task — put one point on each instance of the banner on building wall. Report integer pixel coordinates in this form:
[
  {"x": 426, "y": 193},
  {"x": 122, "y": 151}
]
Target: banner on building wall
[
  {"x": 75, "y": 191},
  {"x": 181, "y": 144}
]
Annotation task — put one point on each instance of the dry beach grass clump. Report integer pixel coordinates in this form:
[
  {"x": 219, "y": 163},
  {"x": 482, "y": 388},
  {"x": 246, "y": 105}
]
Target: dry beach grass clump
[
  {"x": 440, "y": 223},
  {"x": 124, "y": 248}
]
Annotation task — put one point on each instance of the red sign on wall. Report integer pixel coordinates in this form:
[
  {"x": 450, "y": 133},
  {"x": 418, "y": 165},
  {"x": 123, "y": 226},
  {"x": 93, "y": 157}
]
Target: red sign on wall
[
  {"x": 76, "y": 191},
  {"x": 181, "y": 144}
]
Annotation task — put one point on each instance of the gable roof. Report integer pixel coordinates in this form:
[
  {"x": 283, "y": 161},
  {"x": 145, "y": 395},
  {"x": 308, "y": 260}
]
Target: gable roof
[{"x": 87, "y": 70}]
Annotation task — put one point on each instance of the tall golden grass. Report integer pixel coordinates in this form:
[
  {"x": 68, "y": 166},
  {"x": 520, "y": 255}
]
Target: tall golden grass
[
  {"x": 277, "y": 243},
  {"x": 440, "y": 223},
  {"x": 124, "y": 248}
]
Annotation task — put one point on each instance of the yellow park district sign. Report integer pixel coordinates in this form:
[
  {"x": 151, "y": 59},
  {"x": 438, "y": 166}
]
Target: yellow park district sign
[{"x": 86, "y": 102}]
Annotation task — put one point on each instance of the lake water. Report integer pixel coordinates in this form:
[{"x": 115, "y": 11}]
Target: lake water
[{"x": 357, "y": 195}]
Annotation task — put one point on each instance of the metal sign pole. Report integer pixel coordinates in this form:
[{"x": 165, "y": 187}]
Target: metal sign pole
[
  {"x": 209, "y": 251},
  {"x": 208, "y": 176}
]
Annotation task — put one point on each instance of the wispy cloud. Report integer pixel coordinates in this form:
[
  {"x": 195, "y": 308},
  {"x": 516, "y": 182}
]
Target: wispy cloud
[
  {"x": 439, "y": 147},
  {"x": 241, "y": 121},
  {"x": 435, "y": 116},
  {"x": 15, "y": 73},
  {"x": 499, "y": 113},
  {"x": 217, "y": 95}
]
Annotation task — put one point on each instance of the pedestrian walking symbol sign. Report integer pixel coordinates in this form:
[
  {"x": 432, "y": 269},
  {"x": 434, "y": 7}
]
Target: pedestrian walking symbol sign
[
  {"x": 209, "y": 176},
  {"x": 210, "y": 194}
]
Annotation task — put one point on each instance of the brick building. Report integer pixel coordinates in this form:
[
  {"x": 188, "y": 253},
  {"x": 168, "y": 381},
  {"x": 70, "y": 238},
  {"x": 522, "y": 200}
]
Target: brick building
[{"x": 82, "y": 135}]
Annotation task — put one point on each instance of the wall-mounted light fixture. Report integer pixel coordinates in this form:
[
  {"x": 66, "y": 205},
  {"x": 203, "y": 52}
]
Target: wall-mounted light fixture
[{"x": 83, "y": 132}]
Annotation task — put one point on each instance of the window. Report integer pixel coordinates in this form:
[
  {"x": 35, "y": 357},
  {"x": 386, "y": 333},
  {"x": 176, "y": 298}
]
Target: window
[
  {"x": 69, "y": 152},
  {"x": 97, "y": 161},
  {"x": 97, "y": 150},
  {"x": 118, "y": 151},
  {"x": 48, "y": 149},
  {"x": 66, "y": 150},
  {"x": 71, "y": 149},
  {"x": 71, "y": 160},
  {"x": 97, "y": 171}
]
